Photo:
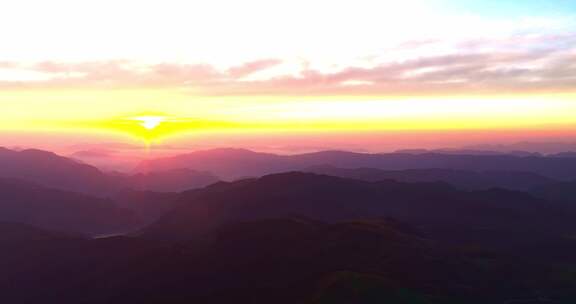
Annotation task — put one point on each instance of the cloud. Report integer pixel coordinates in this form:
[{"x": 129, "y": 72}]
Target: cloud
[
  {"x": 518, "y": 62},
  {"x": 252, "y": 67}
]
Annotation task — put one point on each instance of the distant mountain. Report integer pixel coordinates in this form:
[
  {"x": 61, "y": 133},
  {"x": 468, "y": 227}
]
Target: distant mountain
[
  {"x": 175, "y": 180},
  {"x": 54, "y": 171},
  {"x": 51, "y": 170},
  {"x": 23, "y": 202},
  {"x": 536, "y": 147},
  {"x": 235, "y": 163},
  {"x": 227, "y": 163},
  {"x": 564, "y": 154},
  {"x": 330, "y": 199},
  {"x": 468, "y": 180},
  {"x": 468, "y": 152}
]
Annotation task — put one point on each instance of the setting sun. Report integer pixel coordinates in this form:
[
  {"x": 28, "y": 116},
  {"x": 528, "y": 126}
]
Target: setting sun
[{"x": 150, "y": 122}]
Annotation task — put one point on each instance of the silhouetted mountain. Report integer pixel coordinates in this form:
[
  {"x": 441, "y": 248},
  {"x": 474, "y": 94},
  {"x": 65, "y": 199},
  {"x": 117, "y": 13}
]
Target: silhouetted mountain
[
  {"x": 561, "y": 192},
  {"x": 305, "y": 251},
  {"x": 229, "y": 163},
  {"x": 77, "y": 270},
  {"x": 52, "y": 209},
  {"x": 54, "y": 171},
  {"x": 51, "y": 170},
  {"x": 537, "y": 147},
  {"x": 147, "y": 205},
  {"x": 234, "y": 163},
  {"x": 468, "y": 180},
  {"x": 10, "y": 232},
  {"x": 290, "y": 260},
  {"x": 151, "y": 195},
  {"x": 297, "y": 238},
  {"x": 382, "y": 236},
  {"x": 564, "y": 154},
  {"x": 330, "y": 199},
  {"x": 467, "y": 152},
  {"x": 175, "y": 180}
]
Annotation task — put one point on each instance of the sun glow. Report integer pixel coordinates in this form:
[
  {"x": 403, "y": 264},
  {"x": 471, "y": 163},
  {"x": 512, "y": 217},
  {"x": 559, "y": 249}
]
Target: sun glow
[{"x": 150, "y": 122}]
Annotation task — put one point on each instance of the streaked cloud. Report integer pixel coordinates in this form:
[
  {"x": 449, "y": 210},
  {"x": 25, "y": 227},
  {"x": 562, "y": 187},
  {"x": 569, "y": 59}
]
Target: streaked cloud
[{"x": 519, "y": 62}]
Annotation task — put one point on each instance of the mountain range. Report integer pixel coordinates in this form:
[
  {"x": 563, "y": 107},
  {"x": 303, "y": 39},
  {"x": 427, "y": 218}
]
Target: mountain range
[
  {"x": 239, "y": 163},
  {"x": 343, "y": 233},
  {"x": 308, "y": 238},
  {"x": 434, "y": 206},
  {"x": 54, "y": 171},
  {"x": 462, "y": 179}
]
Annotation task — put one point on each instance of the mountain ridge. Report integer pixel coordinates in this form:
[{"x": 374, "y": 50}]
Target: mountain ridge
[{"x": 236, "y": 163}]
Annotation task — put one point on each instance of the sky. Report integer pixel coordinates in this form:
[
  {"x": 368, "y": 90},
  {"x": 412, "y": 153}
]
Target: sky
[{"x": 278, "y": 75}]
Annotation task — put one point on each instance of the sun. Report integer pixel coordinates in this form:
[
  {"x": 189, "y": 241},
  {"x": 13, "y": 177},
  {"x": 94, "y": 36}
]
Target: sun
[
  {"x": 154, "y": 126},
  {"x": 146, "y": 126},
  {"x": 150, "y": 122}
]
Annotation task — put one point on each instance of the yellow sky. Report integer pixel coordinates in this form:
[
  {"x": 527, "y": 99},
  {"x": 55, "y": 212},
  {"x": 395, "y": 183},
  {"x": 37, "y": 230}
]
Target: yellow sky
[
  {"x": 115, "y": 110},
  {"x": 74, "y": 66}
]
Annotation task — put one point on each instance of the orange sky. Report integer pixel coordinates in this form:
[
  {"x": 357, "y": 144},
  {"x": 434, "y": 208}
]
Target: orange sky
[{"x": 280, "y": 75}]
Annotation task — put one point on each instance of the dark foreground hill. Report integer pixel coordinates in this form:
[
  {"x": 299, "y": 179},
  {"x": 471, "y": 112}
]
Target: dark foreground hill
[
  {"x": 235, "y": 163},
  {"x": 148, "y": 206},
  {"x": 290, "y": 260},
  {"x": 561, "y": 192},
  {"x": 301, "y": 238},
  {"x": 330, "y": 199},
  {"x": 18, "y": 232}
]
